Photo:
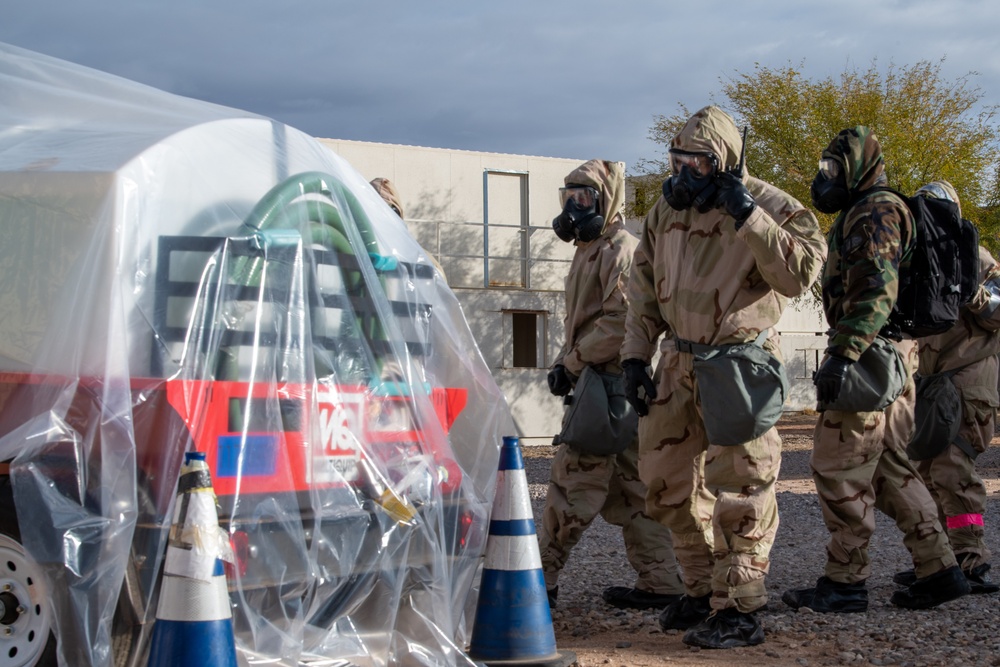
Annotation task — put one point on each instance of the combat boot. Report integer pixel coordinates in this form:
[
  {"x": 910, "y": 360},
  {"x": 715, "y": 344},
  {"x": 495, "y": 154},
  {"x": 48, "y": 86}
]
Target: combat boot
[
  {"x": 905, "y": 577},
  {"x": 979, "y": 580},
  {"x": 624, "y": 597},
  {"x": 726, "y": 628},
  {"x": 948, "y": 584},
  {"x": 829, "y": 597},
  {"x": 686, "y": 612}
]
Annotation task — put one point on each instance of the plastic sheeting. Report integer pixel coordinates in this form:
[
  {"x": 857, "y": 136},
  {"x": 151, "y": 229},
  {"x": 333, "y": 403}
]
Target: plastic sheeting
[{"x": 179, "y": 276}]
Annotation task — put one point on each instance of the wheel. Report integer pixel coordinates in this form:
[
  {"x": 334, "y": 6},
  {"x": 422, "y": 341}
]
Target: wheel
[{"x": 25, "y": 635}]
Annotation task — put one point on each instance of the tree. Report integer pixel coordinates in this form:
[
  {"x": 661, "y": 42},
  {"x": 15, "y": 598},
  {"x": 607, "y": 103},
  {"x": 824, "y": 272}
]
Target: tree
[{"x": 930, "y": 129}]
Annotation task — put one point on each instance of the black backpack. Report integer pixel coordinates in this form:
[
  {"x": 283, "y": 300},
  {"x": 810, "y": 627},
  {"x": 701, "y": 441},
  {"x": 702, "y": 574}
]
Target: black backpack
[{"x": 943, "y": 272}]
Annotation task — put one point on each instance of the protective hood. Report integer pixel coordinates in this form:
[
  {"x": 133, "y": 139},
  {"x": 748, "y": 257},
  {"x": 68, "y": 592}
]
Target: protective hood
[
  {"x": 711, "y": 130},
  {"x": 941, "y": 190},
  {"x": 860, "y": 155},
  {"x": 609, "y": 180},
  {"x": 387, "y": 191}
]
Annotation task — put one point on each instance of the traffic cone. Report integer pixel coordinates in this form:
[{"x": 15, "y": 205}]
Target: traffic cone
[
  {"x": 513, "y": 623},
  {"x": 194, "y": 623}
]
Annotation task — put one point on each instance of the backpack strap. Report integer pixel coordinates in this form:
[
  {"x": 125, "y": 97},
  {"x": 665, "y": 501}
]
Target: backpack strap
[{"x": 964, "y": 445}]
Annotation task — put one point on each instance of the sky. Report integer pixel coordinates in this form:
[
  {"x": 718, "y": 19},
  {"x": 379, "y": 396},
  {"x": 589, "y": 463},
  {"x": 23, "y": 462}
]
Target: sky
[{"x": 552, "y": 78}]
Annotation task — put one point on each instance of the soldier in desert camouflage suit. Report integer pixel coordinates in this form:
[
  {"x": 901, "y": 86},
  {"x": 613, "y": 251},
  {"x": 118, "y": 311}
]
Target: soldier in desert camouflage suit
[
  {"x": 387, "y": 191},
  {"x": 859, "y": 458},
  {"x": 968, "y": 350},
  {"x": 583, "y": 485},
  {"x": 718, "y": 258}
]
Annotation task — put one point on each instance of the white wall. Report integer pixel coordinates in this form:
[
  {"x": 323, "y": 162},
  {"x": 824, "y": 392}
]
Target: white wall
[{"x": 440, "y": 189}]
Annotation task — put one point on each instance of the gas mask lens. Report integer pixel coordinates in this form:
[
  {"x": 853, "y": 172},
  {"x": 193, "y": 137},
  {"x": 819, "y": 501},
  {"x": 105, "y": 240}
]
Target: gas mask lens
[
  {"x": 829, "y": 168},
  {"x": 583, "y": 196},
  {"x": 700, "y": 164}
]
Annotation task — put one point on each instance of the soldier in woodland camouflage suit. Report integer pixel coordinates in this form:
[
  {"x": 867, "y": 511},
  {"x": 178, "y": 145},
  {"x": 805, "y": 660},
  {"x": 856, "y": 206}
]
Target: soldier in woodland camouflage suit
[
  {"x": 859, "y": 460},
  {"x": 585, "y": 484},
  {"x": 969, "y": 351},
  {"x": 718, "y": 258}
]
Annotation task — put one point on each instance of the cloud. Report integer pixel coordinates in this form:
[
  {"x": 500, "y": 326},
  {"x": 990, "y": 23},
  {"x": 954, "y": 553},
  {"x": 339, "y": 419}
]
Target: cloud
[{"x": 566, "y": 79}]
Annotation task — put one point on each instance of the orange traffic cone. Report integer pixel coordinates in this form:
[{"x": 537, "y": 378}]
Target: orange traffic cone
[
  {"x": 513, "y": 623},
  {"x": 194, "y": 623}
]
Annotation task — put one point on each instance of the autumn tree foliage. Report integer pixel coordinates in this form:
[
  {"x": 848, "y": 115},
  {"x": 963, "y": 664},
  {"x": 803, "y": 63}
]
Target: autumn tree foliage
[{"x": 930, "y": 128}]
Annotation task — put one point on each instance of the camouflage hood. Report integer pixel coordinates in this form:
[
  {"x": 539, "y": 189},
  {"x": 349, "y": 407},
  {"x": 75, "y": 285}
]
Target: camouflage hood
[
  {"x": 941, "y": 190},
  {"x": 711, "y": 130},
  {"x": 387, "y": 191},
  {"x": 860, "y": 155},
  {"x": 608, "y": 178}
]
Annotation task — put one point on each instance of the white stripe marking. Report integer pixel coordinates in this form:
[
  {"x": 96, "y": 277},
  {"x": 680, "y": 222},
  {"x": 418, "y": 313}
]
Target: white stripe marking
[
  {"x": 517, "y": 552},
  {"x": 183, "y": 599},
  {"x": 511, "y": 501}
]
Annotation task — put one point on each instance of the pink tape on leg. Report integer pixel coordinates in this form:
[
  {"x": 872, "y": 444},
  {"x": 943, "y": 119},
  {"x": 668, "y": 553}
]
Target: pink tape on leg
[{"x": 963, "y": 520}]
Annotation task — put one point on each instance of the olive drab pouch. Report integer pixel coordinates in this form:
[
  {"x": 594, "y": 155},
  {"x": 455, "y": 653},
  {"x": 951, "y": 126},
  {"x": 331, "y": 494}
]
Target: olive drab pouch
[
  {"x": 937, "y": 416},
  {"x": 872, "y": 382},
  {"x": 742, "y": 389},
  {"x": 598, "y": 419}
]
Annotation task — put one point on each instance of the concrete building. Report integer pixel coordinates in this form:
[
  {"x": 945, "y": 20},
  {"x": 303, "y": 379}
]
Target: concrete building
[{"x": 487, "y": 219}]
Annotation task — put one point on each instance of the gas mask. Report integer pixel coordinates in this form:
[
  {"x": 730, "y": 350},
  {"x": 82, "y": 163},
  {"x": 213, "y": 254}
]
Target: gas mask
[
  {"x": 579, "y": 220},
  {"x": 693, "y": 181},
  {"x": 829, "y": 191}
]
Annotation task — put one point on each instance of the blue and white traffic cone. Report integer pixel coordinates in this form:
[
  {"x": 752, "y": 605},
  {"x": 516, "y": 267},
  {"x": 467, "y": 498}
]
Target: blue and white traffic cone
[
  {"x": 194, "y": 623},
  {"x": 513, "y": 623}
]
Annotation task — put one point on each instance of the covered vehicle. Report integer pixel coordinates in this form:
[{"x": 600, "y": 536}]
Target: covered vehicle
[{"x": 178, "y": 276}]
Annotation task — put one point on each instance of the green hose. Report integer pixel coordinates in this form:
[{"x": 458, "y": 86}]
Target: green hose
[{"x": 325, "y": 227}]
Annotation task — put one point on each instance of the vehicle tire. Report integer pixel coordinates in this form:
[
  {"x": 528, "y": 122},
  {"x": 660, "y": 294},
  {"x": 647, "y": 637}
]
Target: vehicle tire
[{"x": 26, "y": 638}]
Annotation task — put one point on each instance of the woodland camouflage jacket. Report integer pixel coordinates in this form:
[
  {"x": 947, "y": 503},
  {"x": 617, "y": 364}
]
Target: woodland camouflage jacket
[{"x": 868, "y": 243}]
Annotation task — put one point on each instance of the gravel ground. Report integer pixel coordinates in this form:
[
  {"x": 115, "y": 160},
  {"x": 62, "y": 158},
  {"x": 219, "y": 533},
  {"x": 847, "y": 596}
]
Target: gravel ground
[{"x": 963, "y": 632}]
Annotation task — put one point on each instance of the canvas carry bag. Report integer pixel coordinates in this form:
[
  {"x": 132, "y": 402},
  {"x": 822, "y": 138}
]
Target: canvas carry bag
[
  {"x": 598, "y": 419},
  {"x": 873, "y": 382},
  {"x": 938, "y": 417},
  {"x": 742, "y": 389}
]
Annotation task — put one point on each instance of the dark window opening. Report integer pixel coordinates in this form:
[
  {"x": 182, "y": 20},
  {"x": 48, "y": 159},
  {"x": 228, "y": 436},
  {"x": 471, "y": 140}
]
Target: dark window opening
[{"x": 525, "y": 333}]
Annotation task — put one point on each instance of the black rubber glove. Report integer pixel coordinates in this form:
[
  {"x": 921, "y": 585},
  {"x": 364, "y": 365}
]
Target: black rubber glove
[
  {"x": 559, "y": 382},
  {"x": 830, "y": 378},
  {"x": 635, "y": 377},
  {"x": 734, "y": 198}
]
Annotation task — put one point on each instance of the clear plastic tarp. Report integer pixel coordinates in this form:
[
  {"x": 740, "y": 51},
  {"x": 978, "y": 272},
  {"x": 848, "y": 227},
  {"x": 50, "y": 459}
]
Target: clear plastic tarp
[{"x": 177, "y": 276}]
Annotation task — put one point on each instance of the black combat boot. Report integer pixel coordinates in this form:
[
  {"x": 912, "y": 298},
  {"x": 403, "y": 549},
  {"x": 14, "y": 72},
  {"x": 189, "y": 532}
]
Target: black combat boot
[
  {"x": 978, "y": 576},
  {"x": 979, "y": 580},
  {"x": 686, "y": 612},
  {"x": 829, "y": 597},
  {"x": 624, "y": 597},
  {"x": 943, "y": 586},
  {"x": 726, "y": 628},
  {"x": 905, "y": 577}
]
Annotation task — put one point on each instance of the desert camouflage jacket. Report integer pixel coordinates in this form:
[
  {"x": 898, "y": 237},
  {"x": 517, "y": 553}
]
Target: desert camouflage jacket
[
  {"x": 597, "y": 278},
  {"x": 695, "y": 277}
]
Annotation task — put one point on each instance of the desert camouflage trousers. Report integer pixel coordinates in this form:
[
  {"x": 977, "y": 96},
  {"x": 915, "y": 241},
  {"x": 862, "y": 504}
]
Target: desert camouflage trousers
[
  {"x": 951, "y": 476},
  {"x": 859, "y": 463},
  {"x": 718, "y": 502},
  {"x": 581, "y": 486}
]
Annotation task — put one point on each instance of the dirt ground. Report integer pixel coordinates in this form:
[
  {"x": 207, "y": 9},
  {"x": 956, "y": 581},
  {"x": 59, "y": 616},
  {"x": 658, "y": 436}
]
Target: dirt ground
[{"x": 622, "y": 641}]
